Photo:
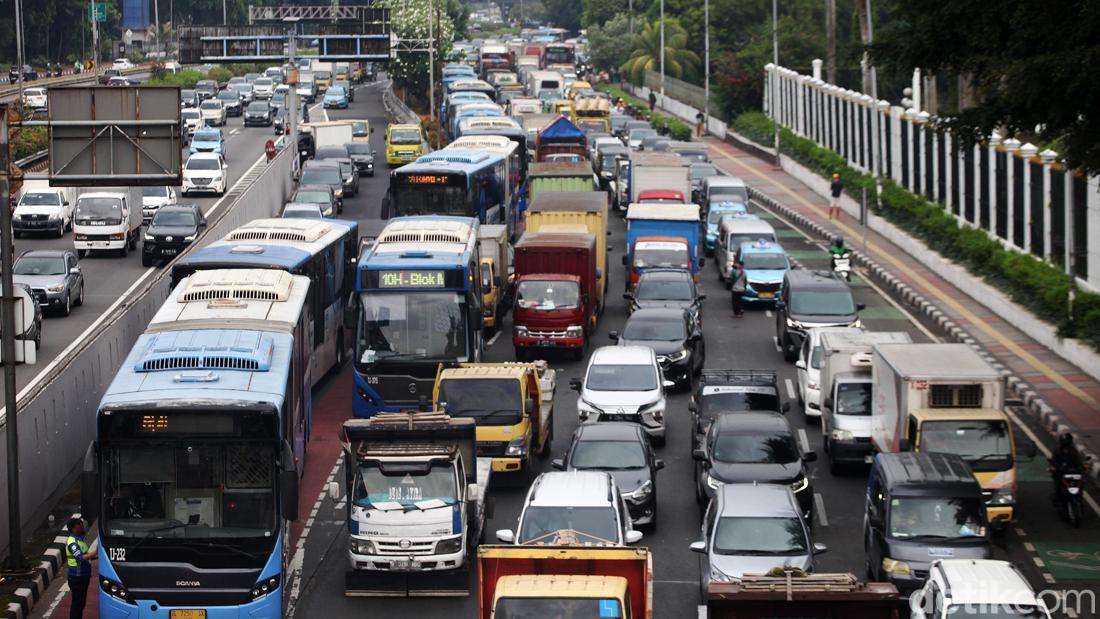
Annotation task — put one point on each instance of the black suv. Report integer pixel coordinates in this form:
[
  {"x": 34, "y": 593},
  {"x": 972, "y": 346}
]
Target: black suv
[
  {"x": 206, "y": 89},
  {"x": 29, "y": 73},
  {"x": 812, "y": 299},
  {"x": 674, "y": 334},
  {"x": 172, "y": 229},
  {"x": 733, "y": 391}
]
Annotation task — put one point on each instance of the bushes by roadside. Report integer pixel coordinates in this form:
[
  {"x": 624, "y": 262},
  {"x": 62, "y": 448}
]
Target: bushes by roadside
[
  {"x": 1041, "y": 287},
  {"x": 678, "y": 130},
  {"x": 27, "y": 141}
]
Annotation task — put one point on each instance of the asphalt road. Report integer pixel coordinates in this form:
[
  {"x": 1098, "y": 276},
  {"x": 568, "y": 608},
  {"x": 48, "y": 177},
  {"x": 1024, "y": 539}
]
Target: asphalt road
[{"x": 1040, "y": 544}]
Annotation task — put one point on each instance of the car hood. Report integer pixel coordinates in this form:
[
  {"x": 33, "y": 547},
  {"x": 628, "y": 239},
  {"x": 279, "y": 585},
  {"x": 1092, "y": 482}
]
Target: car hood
[
  {"x": 737, "y": 566},
  {"x": 610, "y": 399},
  {"x": 362, "y": 157},
  {"x": 765, "y": 275},
  {"x": 180, "y": 231},
  {"x": 669, "y": 303},
  {"x": 630, "y": 480},
  {"x": 38, "y": 281},
  {"x": 824, "y": 321},
  {"x": 36, "y": 209},
  {"x": 257, "y": 112},
  {"x": 661, "y": 347},
  {"x": 919, "y": 554},
  {"x": 201, "y": 173},
  {"x": 731, "y": 472}
]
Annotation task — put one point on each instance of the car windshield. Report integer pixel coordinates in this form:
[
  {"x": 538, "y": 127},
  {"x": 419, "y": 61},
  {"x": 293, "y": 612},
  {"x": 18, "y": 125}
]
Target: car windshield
[
  {"x": 202, "y": 163},
  {"x": 641, "y": 134},
  {"x": 312, "y": 196},
  {"x": 853, "y": 399},
  {"x": 211, "y": 104},
  {"x": 541, "y": 523},
  {"x": 626, "y": 377},
  {"x": 391, "y": 485},
  {"x": 759, "y": 536},
  {"x": 258, "y": 106},
  {"x": 676, "y": 257},
  {"x": 360, "y": 129},
  {"x": 716, "y": 214},
  {"x": 39, "y": 266},
  {"x": 491, "y": 401},
  {"x": 358, "y": 148},
  {"x": 822, "y": 302},
  {"x": 650, "y": 330},
  {"x": 764, "y": 262},
  {"x": 913, "y": 516},
  {"x": 264, "y": 81},
  {"x": 986, "y": 445},
  {"x": 227, "y": 95},
  {"x": 321, "y": 175},
  {"x": 412, "y": 327},
  {"x": 702, "y": 171},
  {"x": 208, "y": 135},
  {"x": 174, "y": 218},
  {"x": 187, "y": 95},
  {"x": 608, "y": 455},
  {"x": 664, "y": 290},
  {"x": 154, "y": 192},
  {"x": 335, "y": 91},
  {"x": 405, "y": 136},
  {"x": 40, "y": 198},
  {"x": 735, "y": 193},
  {"x": 756, "y": 447},
  {"x": 548, "y": 295},
  {"x": 185, "y": 114}
]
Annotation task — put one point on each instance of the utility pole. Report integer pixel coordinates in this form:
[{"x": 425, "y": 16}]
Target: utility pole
[
  {"x": 630, "y": 12},
  {"x": 662, "y": 51},
  {"x": 292, "y": 95},
  {"x": 16, "y": 562},
  {"x": 156, "y": 22},
  {"x": 706, "y": 65},
  {"x": 431, "y": 69},
  {"x": 775, "y": 78},
  {"x": 830, "y": 41},
  {"x": 225, "y": 20},
  {"x": 95, "y": 37},
  {"x": 876, "y": 158},
  {"x": 20, "y": 60}
]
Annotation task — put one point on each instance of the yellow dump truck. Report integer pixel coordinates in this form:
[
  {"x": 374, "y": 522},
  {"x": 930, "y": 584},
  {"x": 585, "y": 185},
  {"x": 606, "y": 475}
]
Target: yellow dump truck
[
  {"x": 512, "y": 404},
  {"x": 561, "y": 211},
  {"x": 560, "y": 581}
]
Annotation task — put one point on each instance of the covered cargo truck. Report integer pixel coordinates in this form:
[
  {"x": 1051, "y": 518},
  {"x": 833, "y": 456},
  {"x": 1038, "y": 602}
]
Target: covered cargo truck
[
  {"x": 658, "y": 171},
  {"x": 587, "y": 209},
  {"x": 662, "y": 223},
  {"x": 561, "y": 136},
  {"x": 555, "y": 304}
]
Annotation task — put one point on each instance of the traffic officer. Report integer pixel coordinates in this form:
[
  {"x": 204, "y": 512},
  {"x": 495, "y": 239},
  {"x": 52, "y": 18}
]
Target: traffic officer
[{"x": 80, "y": 567}]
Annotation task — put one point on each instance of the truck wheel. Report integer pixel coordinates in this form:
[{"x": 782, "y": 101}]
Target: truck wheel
[
  {"x": 81, "y": 253},
  {"x": 125, "y": 251},
  {"x": 133, "y": 241}
]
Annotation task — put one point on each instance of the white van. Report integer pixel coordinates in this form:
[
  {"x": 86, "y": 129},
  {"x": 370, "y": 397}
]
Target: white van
[
  {"x": 725, "y": 188},
  {"x": 976, "y": 588},
  {"x": 734, "y": 230}
]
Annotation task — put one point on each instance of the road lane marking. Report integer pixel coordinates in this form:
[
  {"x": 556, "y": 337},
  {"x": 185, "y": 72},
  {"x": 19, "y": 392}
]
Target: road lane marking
[
  {"x": 298, "y": 560},
  {"x": 945, "y": 298},
  {"x": 804, "y": 440},
  {"x": 768, "y": 313},
  {"x": 790, "y": 388},
  {"x": 819, "y": 509},
  {"x": 775, "y": 340},
  {"x": 493, "y": 339}
]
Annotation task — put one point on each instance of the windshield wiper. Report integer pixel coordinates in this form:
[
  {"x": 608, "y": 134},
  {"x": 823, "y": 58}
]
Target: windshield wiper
[
  {"x": 992, "y": 456},
  {"x": 397, "y": 356}
]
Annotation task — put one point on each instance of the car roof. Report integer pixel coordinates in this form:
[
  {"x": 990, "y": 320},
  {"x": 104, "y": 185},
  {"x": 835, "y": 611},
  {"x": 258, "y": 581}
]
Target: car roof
[
  {"x": 664, "y": 274},
  {"x": 725, "y": 181},
  {"x": 622, "y": 355},
  {"x": 609, "y": 431},
  {"x": 205, "y": 156},
  {"x": 756, "y": 500},
  {"x": 326, "y": 188},
  {"x": 921, "y": 469},
  {"x": 984, "y": 581},
  {"x": 45, "y": 253},
  {"x": 751, "y": 247},
  {"x": 813, "y": 279},
  {"x": 572, "y": 489},
  {"x": 752, "y": 420},
  {"x": 178, "y": 207}
]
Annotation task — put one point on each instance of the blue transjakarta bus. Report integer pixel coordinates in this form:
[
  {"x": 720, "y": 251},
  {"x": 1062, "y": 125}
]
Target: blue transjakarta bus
[
  {"x": 419, "y": 302},
  {"x": 505, "y": 137},
  {"x": 453, "y": 181},
  {"x": 324, "y": 250},
  {"x": 200, "y": 439}
]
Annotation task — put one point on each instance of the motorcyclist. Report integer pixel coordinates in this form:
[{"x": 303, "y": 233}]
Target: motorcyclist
[
  {"x": 1065, "y": 459},
  {"x": 839, "y": 247}
]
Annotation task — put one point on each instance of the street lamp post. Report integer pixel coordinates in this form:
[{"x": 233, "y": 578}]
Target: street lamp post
[
  {"x": 431, "y": 66},
  {"x": 706, "y": 65},
  {"x": 19, "y": 57},
  {"x": 662, "y": 51},
  {"x": 775, "y": 78}
]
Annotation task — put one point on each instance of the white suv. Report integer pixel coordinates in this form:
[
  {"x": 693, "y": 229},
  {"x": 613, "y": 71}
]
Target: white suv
[
  {"x": 624, "y": 383},
  {"x": 976, "y": 587},
  {"x": 212, "y": 112},
  {"x": 573, "y": 508},
  {"x": 263, "y": 88},
  {"x": 205, "y": 173}
]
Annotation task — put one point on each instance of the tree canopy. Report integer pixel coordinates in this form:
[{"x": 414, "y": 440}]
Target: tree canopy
[
  {"x": 609, "y": 44},
  {"x": 680, "y": 62}
]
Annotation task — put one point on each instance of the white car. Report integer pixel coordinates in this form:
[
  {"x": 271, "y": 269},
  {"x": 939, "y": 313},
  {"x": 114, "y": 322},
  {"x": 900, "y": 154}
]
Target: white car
[
  {"x": 122, "y": 64},
  {"x": 263, "y": 88},
  {"x": 205, "y": 173},
  {"x": 624, "y": 383},
  {"x": 573, "y": 508},
  {"x": 154, "y": 197},
  {"x": 35, "y": 98},
  {"x": 192, "y": 120},
  {"x": 213, "y": 112}
]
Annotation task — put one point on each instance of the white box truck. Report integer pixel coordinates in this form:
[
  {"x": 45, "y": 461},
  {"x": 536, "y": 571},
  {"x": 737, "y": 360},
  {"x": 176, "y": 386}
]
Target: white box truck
[
  {"x": 107, "y": 218},
  {"x": 847, "y": 392}
]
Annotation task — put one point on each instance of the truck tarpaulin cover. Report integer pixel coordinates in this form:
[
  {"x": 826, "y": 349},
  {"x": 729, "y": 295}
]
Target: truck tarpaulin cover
[{"x": 562, "y": 130}]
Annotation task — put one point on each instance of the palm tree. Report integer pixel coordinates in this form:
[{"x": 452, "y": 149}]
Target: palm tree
[{"x": 679, "y": 61}]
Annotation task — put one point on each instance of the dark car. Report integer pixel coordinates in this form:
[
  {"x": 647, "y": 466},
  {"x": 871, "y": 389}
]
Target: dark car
[
  {"x": 29, "y": 73},
  {"x": 348, "y": 170},
  {"x": 206, "y": 89},
  {"x": 259, "y": 114},
  {"x": 362, "y": 155},
  {"x": 722, "y": 391},
  {"x": 53, "y": 276},
  {"x": 321, "y": 195},
  {"x": 666, "y": 288},
  {"x": 189, "y": 98},
  {"x": 33, "y": 331},
  {"x": 753, "y": 447},
  {"x": 105, "y": 77},
  {"x": 812, "y": 299},
  {"x": 172, "y": 229},
  {"x": 232, "y": 102},
  {"x": 676, "y": 337},
  {"x": 325, "y": 173},
  {"x": 623, "y": 450}
]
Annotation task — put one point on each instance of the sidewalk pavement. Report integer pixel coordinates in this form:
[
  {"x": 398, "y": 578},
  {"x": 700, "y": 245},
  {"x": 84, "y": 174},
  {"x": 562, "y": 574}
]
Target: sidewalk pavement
[{"x": 1069, "y": 391}]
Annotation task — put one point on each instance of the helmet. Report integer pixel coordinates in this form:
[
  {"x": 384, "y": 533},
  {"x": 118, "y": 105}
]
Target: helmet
[
  {"x": 839, "y": 242},
  {"x": 1065, "y": 440}
]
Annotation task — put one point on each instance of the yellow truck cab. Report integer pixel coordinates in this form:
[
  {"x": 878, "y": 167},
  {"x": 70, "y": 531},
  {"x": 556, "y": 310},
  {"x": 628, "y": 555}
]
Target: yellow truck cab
[
  {"x": 577, "y": 86},
  {"x": 512, "y": 404},
  {"x": 592, "y": 113},
  {"x": 562, "y": 106},
  {"x": 404, "y": 144},
  {"x": 492, "y": 240}
]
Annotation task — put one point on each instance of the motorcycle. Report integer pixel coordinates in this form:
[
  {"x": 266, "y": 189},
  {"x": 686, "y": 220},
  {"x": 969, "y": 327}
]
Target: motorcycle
[
  {"x": 1068, "y": 498},
  {"x": 842, "y": 265}
]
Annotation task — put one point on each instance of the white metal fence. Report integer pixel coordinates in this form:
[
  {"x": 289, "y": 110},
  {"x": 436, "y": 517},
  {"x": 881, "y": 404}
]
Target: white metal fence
[{"x": 1026, "y": 199}]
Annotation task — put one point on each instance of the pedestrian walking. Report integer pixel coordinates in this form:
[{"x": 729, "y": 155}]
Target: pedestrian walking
[
  {"x": 79, "y": 561},
  {"x": 700, "y": 125},
  {"x": 835, "y": 189},
  {"x": 737, "y": 288},
  {"x": 652, "y": 101}
]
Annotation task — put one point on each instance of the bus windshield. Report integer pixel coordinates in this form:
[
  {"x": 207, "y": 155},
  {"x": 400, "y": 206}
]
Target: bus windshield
[
  {"x": 413, "y": 326},
  {"x": 397, "y": 485},
  {"x": 431, "y": 200}
]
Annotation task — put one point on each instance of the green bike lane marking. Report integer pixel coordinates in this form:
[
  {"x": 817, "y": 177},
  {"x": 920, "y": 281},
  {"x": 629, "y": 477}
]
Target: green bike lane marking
[{"x": 1071, "y": 560}]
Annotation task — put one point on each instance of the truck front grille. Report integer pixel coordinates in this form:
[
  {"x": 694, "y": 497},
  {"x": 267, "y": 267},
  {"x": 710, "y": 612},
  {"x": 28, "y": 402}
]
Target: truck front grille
[
  {"x": 394, "y": 549},
  {"x": 489, "y": 450}
]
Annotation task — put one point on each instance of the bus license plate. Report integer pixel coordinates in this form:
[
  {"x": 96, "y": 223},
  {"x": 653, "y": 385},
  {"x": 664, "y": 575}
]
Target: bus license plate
[
  {"x": 767, "y": 295},
  {"x": 197, "y": 613}
]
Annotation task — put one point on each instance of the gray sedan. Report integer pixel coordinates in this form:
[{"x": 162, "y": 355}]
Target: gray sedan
[{"x": 53, "y": 276}]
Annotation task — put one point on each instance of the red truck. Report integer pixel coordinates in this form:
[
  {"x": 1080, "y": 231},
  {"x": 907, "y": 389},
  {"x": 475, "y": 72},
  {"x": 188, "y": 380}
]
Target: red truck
[{"x": 555, "y": 304}]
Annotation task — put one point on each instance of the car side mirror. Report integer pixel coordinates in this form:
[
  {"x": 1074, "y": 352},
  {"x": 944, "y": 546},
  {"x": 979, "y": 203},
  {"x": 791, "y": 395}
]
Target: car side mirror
[
  {"x": 529, "y": 406},
  {"x": 506, "y": 536},
  {"x": 904, "y": 445},
  {"x": 702, "y": 297},
  {"x": 558, "y": 464},
  {"x": 860, "y": 307},
  {"x": 613, "y": 336},
  {"x": 372, "y": 129},
  {"x": 780, "y": 305},
  {"x": 786, "y": 408},
  {"x": 800, "y": 364},
  {"x": 809, "y": 456},
  {"x": 668, "y": 384},
  {"x": 575, "y": 384},
  {"x": 699, "y": 454},
  {"x": 624, "y": 261},
  {"x": 633, "y": 536},
  {"x": 820, "y": 548},
  {"x": 74, "y": 271},
  {"x": 699, "y": 547},
  {"x": 351, "y": 312},
  {"x": 658, "y": 464}
]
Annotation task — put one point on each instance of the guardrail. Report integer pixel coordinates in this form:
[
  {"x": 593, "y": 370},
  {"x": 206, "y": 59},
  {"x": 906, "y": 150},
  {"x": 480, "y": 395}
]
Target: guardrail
[
  {"x": 34, "y": 163},
  {"x": 67, "y": 80}
]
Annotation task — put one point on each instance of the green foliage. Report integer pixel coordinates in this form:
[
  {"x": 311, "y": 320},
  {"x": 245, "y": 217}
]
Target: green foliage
[
  {"x": 680, "y": 62},
  {"x": 609, "y": 44},
  {"x": 28, "y": 141},
  {"x": 1030, "y": 282},
  {"x": 410, "y": 20},
  {"x": 678, "y": 130},
  {"x": 599, "y": 12},
  {"x": 563, "y": 14},
  {"x": 220, "y": 75},
  {"x": 185, "y": 79},
  {"x": 1029, "y": 61}
]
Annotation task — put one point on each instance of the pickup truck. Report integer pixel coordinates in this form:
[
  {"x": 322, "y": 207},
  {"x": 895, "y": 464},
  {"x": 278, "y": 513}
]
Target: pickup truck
[{"x": 794, "y": 594}]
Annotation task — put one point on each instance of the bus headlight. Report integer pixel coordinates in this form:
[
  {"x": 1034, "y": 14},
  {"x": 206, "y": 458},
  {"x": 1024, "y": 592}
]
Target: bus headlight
[
  {"x": 264, "y": 587},
  {"x": 114, "y": 589}
]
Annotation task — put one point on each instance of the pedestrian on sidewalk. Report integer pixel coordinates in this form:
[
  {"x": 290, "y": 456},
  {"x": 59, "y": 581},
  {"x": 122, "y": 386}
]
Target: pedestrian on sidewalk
[
  {"x": 835, "y": 189},
  {"x": 79, "y": 561},
  {"x": 700, "y": 125},
  {"x": 652, "y": 101}
]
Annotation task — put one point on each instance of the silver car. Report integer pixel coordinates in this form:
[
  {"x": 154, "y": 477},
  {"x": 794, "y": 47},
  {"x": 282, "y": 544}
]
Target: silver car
[
  {"x": 53, "y": 276},
  {"x": 750, "y": 529}
]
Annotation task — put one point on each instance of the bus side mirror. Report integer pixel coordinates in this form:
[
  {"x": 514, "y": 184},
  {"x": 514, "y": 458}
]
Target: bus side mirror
[
  {"x": 90, "y": 492},
  {"x": 351, "y": 312},
  {"x": 385, "y": 214},
  {"x": 529, "y": 406},
  {"x": 288, "y": 484}
]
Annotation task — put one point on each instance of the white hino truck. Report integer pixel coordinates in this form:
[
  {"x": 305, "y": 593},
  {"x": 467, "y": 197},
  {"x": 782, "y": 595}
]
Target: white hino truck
[{"x": 416, "y": 503}]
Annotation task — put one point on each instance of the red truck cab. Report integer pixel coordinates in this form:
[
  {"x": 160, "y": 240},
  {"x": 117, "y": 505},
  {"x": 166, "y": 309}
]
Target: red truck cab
[
  {"x": 663, "y": 252},
  {"x": 661, "y": 196},
  {"x": 555, "y": 300}
]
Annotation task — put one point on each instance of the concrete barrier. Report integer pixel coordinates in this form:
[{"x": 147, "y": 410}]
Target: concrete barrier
[{"x": 57, "y": 416}]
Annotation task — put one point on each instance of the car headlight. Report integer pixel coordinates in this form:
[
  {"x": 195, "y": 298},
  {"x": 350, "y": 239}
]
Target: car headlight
[
  {"x": 574, "y": 331},
  {"x": 585, "y": 408},
  {"x": 362, "y": 547},
  {"x": 148, "y": 237},
  {"x": 339, "y": 193},
  {"x": 812, "y": 384},
  {"x": 448, "y": 546},
  {"x": 712, "y": 482},
  {"x": 521, "y": 331},
  {"x": 801, "y": 484},
  {"x": 858, "y": 324},
  {"x": 57, "y": 288},
  {"x": 679, "y": 356},
  {"x": 516, "y": 446},
  {"x": 841, "y": 435},
  {"x": 190, "y": 237},
  {"x": 641, "y": 492},
  {"x": 264, "y": 587},
  {"x": 1002, "y": 497},
  {"x": 717, "y": 575},
  {"x": 895, "y": 567},
  {"x": 794, "y": 324}
]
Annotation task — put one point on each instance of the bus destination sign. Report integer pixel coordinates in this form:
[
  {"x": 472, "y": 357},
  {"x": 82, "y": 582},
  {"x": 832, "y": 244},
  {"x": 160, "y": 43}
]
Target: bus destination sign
[{"x": 411, "y": 279}]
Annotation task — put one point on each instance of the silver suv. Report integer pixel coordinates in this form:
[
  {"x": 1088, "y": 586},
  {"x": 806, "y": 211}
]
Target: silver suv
[
  {"x": 624, "y": 383},
  {"x": 573, "y": 508}
]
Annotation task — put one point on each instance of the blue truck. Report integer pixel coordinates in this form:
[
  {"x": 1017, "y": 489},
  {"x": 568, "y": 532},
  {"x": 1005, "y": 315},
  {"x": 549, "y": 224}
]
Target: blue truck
[{"x": 662, "y": 236}]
